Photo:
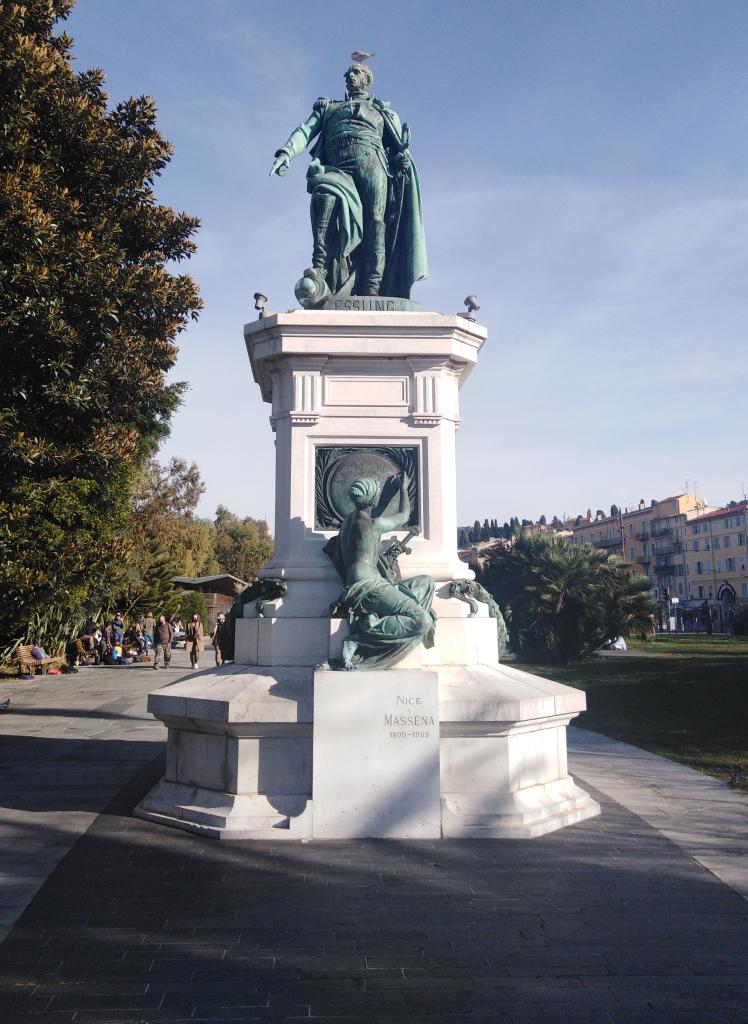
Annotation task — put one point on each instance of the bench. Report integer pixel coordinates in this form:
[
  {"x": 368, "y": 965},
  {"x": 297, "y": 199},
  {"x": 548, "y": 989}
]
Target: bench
[{"x": 27, "y": 662}]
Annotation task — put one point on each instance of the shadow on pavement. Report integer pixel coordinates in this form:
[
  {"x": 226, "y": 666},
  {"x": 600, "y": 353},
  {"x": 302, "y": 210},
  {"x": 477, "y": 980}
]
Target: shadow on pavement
[{"x": 604, "y": 921}]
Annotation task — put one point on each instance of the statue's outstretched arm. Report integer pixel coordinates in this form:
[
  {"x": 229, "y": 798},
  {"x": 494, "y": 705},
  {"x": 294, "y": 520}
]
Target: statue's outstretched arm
[{"x": 298, "y": 140}]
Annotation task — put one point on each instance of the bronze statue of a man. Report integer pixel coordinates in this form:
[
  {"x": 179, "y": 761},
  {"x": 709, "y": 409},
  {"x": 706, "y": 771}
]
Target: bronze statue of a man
[
  {"x": 366, "y": 205},
  {"x": 386, "y": 618}
]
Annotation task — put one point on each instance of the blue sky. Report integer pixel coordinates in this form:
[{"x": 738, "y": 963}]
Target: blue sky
[{"x": 583, "y": 168}]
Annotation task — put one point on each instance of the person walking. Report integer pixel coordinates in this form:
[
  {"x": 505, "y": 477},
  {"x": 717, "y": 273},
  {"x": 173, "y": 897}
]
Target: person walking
[
  {"x": 148, "y": 626},
  {"x": 163, "y": 637},
  {"x": 215, "y": 637},
  {"x": 195, "y": 639}
]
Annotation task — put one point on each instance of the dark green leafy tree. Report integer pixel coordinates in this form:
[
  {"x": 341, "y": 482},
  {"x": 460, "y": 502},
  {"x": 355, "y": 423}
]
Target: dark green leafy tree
[
  {"x": 475, "y": 536},
  {"x": 146, "y": 582},
  {"x": 242, "y": 546},
  {"x": 562, "y": 601},
  {"x": 167, "y": 539},
  {"x": 187, "y": 602},
  {"x": 88, "y": 315}
]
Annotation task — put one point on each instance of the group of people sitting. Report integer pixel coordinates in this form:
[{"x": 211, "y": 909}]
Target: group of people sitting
[
  {"x": 114, "y": 642},
  {"x": 117, "y": 643}
]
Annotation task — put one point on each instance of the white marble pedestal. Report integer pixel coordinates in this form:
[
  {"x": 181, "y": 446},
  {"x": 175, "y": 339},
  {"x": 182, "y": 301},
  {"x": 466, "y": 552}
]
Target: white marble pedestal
[{"x": 248, "y": 755}]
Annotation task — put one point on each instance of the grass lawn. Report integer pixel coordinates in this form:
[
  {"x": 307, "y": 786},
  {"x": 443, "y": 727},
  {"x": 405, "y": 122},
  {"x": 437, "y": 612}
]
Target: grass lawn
[{"x": 683, "y": 696}]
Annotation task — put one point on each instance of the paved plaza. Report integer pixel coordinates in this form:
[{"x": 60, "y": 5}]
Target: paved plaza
[{"x": 640, "y": 915}]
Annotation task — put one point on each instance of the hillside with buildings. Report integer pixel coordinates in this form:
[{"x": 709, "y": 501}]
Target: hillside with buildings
[{"x": 693, "y": 554}]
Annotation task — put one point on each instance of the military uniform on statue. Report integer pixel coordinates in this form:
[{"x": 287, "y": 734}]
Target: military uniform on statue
[{"x": 366, "y": 200}]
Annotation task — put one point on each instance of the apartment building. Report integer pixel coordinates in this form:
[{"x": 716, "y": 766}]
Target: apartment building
[
  {"x": 652, "y": 536},
  {"x": 716, "y": 558}
]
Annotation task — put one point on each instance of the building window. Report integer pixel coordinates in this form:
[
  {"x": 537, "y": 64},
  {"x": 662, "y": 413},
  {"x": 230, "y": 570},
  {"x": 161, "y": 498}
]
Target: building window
[
  {"x": 699, "y": 569},
  {"x": 744, "y": 589},
  {"x": 726, "y": 522},
  {"x": 730, "y": 565},
  {"x": 631, "y": 530},
  {"x": 741, "y": 540},
  {"x": 719, "y": 565},
  {"x": 680, "y": 588},
  {"x": 709, "y": 592},
  {"x": 709, "y": 565},
  {"x": 726, "y": 541},
  {"x": 701, "y": 591},
  {"x": 716, "y": 543},
  {"x": 742, "y": 563},
  {"x": 706, "y": 544},
  {"x": 695, "y": 545}
]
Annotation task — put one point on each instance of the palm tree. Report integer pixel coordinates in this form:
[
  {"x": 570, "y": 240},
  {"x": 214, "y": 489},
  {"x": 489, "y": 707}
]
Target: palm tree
[
  {"x": 561, "y": 601},
  {"x": 629, "y": 608}
]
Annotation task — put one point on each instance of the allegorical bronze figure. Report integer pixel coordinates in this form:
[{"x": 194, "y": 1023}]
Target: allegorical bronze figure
[{"x": 387, "y": 617}]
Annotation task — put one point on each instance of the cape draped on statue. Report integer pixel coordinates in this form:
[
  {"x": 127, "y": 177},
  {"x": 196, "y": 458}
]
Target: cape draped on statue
[
  {"x": 349, "y": 218},
  {"x": 405, "y": 241}
]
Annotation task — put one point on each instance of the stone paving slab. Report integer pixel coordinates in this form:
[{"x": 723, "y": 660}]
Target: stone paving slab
[
  {"x": 701, "y": 814},
  {"x": 68, "y": 743}
]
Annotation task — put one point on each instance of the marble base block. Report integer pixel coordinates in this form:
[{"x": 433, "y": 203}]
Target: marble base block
[
  {"x": 292, "y": 753},
  {"x": 376, "y": 755},
  {"x": 503, "y": 754},
  {"x": 239, "y": 754}
]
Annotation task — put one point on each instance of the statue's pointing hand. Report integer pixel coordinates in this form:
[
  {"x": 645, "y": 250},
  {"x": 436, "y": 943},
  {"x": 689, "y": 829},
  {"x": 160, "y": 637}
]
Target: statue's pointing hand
[{"x": 280, "y": 164}]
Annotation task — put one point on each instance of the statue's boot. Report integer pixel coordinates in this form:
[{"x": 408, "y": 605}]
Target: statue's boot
[
  {"x": 375, "y": 257},
  {"x": 322, "y": 207}
]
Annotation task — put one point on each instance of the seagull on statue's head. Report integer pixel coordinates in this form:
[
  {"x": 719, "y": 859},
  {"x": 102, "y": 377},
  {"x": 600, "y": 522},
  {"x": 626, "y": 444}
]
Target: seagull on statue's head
[{"x": 359, "y": 55}]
